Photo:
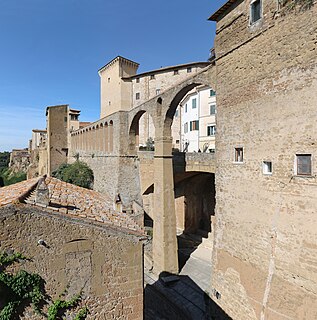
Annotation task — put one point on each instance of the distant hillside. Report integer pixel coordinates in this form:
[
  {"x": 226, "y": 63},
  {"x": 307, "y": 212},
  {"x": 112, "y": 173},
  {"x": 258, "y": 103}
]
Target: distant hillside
[
  {"x": 4, "y": 160},
  {"x": 6, "y": 176}
]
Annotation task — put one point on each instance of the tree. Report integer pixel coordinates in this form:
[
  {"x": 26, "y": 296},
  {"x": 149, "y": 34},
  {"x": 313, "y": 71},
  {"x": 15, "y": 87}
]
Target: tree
[{"x": 77, "y": 173}]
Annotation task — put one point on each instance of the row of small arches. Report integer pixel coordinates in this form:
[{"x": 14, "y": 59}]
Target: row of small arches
[{"x": 96, "y": 138}]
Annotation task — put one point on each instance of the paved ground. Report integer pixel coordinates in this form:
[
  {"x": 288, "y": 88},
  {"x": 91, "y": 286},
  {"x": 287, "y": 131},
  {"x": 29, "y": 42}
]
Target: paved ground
[
  {"x": 183, "y": 296},
  {"x": 198, "y": 262}
]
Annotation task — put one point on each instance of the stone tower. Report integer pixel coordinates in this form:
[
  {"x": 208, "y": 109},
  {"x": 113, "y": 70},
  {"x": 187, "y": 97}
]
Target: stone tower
[{"x": 116, "y": 89}]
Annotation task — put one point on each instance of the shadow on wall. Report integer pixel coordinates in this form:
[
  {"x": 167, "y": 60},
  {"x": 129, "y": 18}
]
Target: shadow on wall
[{"x": 175, "y": 297}]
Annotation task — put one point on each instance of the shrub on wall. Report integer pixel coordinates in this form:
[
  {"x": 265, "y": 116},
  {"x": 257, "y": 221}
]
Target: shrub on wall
[
  {"x": 77, "y": 173},
  {"x": 23, "y": 289}
]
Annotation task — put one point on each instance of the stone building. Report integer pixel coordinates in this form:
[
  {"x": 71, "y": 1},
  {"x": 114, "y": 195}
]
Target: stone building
[
  {"x": 77, "y": 242},
  {"x": 38, "y": 154},
  {"x": 122, "y": 89},
  {"x": 265, "y": 249},
  {"x": 38, "y": 138},
  {"x": 48, "y": 153}
]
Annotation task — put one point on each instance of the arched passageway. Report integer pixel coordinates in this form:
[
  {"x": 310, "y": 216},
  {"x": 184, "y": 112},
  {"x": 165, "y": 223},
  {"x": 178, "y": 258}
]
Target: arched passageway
[
  {"x": 164, "y": 231},
  {"x": 141, "y": 126}
]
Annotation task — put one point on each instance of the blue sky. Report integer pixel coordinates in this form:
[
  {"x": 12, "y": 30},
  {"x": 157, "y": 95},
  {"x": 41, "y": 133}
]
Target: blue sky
[{"x": 50, "y": 51}]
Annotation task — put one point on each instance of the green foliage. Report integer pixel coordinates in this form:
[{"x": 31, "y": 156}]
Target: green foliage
[
  {"x": 77, "y": 173},
  {"x": 82, "y": 314},
  {"x": 57, "y": 309},
  {"x": 20, "y": 289},
  {"x": 4, "y": 159},
  {"x": 8, "y": 177},
  {"x": 8, "y": 259},
  {"x": 59, "y": 172},
  {"x": 17, "y": 291}
]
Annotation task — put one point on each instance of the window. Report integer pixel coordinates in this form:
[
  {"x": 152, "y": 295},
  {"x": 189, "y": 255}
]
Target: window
[
  {"x": 158, "y": 91},
  {"x": 211, "y": 130},
  {"x": 238, "y": 154},
  {"x": 152, "y": 76},
  {"x": 189, "y": 69},
  {"x": 186, "y": 107},
  {"x": 186, "y": 127},
  {"x": 175, "y": 72},
  {"x": 176, "y": 113},
  {"x": 194, "y": 125},
  {"x": 108, "y": 79},
  {"x": 137, "y": 80},
  {"x": 256, "y": 8},
  {"x": 177, "y": 141},
  {"x": 194, "y": 103},
  {"x": 212, "y": 93},
  {"x": 109, "y": 103},
  {"x": 267, "y": 167},
  {"x": 303, "y": 165},
  {"x": 137, "y": 96},
  {"x": 212, "y": 109}
]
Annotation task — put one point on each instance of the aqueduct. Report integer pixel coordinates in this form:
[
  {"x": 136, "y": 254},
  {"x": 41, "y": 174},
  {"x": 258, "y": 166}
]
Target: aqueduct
[{"x": 109, "y": 146}]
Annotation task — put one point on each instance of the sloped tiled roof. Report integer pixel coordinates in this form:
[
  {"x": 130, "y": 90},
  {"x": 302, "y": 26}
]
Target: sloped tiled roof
[
  {"x": 68, "y": 199},
  {"x": 12, "y": 193},
  {"x": 215, "y": 16}
]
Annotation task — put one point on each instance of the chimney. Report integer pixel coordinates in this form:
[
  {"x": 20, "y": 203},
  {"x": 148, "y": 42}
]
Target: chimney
[
  {"x": 118, "y": 203},
  {"x": 41, "y": 193}
]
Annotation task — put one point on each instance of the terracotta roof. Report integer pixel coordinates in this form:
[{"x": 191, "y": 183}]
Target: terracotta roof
[
  {"x": 70, "y": 200},
  {"x": 117, "y": 58},
  {"x": 164, "y": 69},
  {"x": 219, "y": 12},
  {"x": 39, "y": 130},
  {"x": 84, "y": 124},
  {"x": 14, "y": 192}
]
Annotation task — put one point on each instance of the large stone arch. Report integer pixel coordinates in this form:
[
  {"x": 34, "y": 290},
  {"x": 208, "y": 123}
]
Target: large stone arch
[
  {"x": 134, "y": 129},
  {"x": 164, "y": 229},
  {"x": 170, "y": 113}
]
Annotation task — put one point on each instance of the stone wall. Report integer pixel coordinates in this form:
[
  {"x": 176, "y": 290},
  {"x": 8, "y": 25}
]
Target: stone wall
[
  {"x": 104, "y": 263},
  {"x": 265, "y": 255},
  {"x": 114, "y": 170}
]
